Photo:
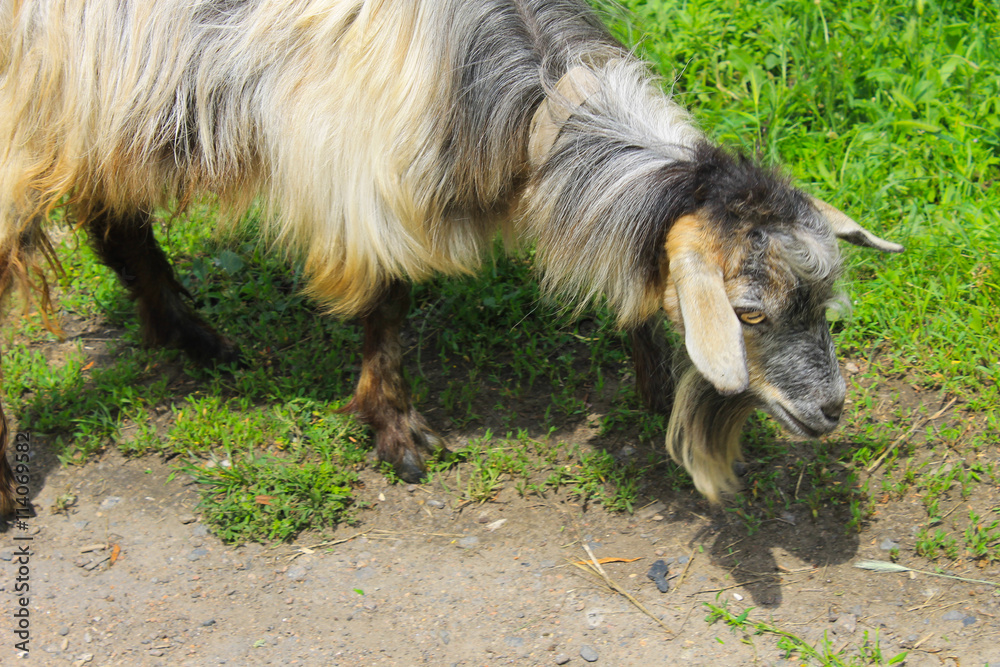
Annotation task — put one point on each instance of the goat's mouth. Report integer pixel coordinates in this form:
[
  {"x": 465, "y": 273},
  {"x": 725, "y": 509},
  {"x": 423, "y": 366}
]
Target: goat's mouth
[{"x": 793, "y": 423}]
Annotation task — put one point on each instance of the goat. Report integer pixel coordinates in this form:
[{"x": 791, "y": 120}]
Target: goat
[{"x": 389, "y": 141}]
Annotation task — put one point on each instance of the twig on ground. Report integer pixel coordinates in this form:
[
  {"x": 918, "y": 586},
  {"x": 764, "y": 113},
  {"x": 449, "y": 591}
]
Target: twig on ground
[
  {"x": 739, "y": 585},
  {"x": 687, "y": 566},
  {"x": 917, "y": 424},
  {"x": 594, "y": 567},
  {"x": 883, "y": 566}
]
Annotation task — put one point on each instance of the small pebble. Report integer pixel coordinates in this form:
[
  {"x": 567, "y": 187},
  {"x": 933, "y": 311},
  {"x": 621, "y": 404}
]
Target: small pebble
[
  {"x": 209, "y": 623},
  {"x": 846, "y": 624},
  {"x": 436, "y": 504},
  {"x": 562, "y": 659},
  {"x": 658, "y": 575},
  {"x": 588, "y": 653},
  {"x": 495, "y": 525},
  {"x": 110, "y": 502},
  {"x": 197, "y": 553},
  {"x": 888, "y": 545},
  {"x": 63, "y": 631},
  {"x": 652, "y": 510},
  {"x": 297, "y": 573}
]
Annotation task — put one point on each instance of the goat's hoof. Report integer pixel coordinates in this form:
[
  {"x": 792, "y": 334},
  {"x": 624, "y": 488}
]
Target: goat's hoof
[
  {"x": 229, "y": 355},
  {"x": 213, "y": 351},
  {"x": 411, "y": 468}
]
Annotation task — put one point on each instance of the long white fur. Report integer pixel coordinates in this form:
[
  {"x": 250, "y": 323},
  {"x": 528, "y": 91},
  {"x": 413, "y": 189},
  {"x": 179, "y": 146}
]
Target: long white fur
[
  {"x": 324, "y": 108},
  {"x": 353, "y": 124}
]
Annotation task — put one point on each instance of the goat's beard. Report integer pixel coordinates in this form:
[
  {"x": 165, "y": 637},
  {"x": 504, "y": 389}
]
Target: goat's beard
[{"x": 703, "y": 434}]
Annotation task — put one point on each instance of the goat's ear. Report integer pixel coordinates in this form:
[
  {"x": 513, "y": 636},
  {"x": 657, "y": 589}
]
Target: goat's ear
[
  {"x": 712, "y": 331},
  {"x": 845, "y": 228}
]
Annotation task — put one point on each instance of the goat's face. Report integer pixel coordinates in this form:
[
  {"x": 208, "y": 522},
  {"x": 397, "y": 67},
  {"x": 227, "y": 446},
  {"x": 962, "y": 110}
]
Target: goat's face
[
  {"x": 780, "y": 290},
  {"x": 751, "y": 303},
  {"x": 752, "y": 306}
]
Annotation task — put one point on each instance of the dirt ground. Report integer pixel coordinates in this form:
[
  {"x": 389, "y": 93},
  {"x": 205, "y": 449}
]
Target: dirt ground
[{"x": 129, "y": 576}]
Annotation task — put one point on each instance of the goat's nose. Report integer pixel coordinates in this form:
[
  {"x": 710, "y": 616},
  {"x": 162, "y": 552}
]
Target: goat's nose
[{"x": 833, "y": 410}]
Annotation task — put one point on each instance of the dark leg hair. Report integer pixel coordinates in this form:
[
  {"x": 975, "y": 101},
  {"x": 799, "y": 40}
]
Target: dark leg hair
[
  {"x": 125, "y": 242},
  {"x": 6, "y": 473},
  {"x": 16, "y": 266},
  {"x": 651, "y": 355},
  {"x": 382, "y": 398}
]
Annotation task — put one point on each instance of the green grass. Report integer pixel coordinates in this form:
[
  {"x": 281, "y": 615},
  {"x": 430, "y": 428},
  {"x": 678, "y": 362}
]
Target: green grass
[
  {"x": 890, "y": 111},
  {"x": 869, "y": 653}
]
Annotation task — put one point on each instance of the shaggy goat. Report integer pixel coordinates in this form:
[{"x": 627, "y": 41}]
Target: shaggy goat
[{"x": 391, "y": 140}]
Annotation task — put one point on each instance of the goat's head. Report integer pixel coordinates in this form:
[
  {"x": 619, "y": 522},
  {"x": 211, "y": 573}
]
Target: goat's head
[{"x": 749, "y": 283}]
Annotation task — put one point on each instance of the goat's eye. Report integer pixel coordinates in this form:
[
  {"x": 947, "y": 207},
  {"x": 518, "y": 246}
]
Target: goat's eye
[{"x": 752, "y": 317}]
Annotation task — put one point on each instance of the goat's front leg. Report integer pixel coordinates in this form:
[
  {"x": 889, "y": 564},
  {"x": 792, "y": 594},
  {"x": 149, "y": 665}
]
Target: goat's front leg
[
  {"x": 126, "y": 243},
  {"x": 651, "y": 356},
  {"x": 382, "y": 399}
]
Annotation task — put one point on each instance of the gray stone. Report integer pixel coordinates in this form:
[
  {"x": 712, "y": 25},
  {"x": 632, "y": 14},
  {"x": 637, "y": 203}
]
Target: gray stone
[
  {"x": 846, "y": 624},
  {"x": 297, "y": 573},
  {"x": 197, "y": 553},
  {"x": 588, "y": 653},
  {"x": 647, "y": 513},
  {"x": 658, "y": 575},
  {"x": 562, "y": 659}
]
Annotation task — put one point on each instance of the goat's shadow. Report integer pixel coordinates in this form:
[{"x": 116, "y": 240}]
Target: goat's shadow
[{"x": 769, "y": 539}]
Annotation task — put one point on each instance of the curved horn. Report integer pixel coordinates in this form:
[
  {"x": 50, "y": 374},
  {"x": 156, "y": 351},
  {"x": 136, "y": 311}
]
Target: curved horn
[
  {"x": 845, "y": 228},
  {"x": 713, "y": 334}
]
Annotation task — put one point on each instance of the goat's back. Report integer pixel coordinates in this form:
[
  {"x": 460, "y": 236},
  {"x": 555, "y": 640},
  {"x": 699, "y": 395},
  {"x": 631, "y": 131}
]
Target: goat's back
[{"x": 384, "y": 139}]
